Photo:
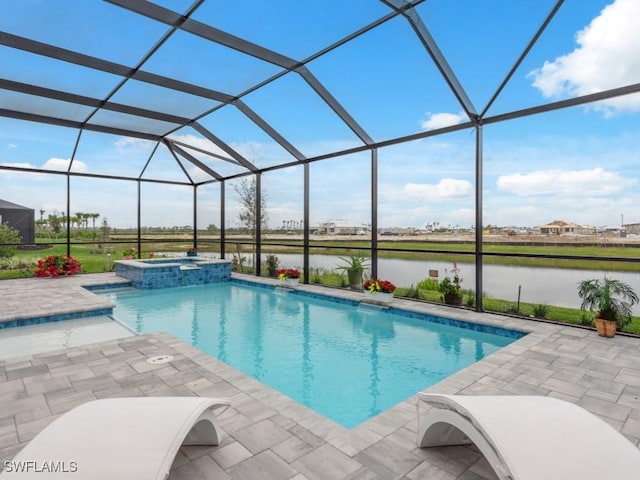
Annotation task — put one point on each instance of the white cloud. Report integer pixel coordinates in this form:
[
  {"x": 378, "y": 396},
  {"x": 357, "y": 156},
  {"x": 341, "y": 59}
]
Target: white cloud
[
  {"x": 445, "y": 189},
  {"x": 130, "y": 141},
  {"x": 606, "y": 57},
  {"x": 575, "y": 183},
  {"x": 440, "y": 120},
  {"x": 12, "y": 145},
  {"x": 61, "y": 164}
]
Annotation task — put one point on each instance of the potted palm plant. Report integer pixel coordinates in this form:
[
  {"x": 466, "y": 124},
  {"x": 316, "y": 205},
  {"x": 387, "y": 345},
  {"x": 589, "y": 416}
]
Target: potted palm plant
[
  {"x": 354, "y": 267},
  {"x": 611, "y": 300}
]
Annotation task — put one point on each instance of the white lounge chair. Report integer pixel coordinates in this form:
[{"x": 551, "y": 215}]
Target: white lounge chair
[
  {"x": 119, "y": 438},
  {"x": 530, "y": 437}
]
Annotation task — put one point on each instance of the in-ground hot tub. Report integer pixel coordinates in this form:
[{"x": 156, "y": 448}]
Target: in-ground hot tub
[{"x": 173, "y": 272}]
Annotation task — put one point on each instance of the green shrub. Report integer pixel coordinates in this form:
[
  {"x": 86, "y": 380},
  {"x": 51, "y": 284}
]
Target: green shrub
[
  {"x": 16, "y": 263},
  {"x": 411, "y": 292},
  {"x": 315, "y": 275},
  {"x": 470, "y": 298},
  {"x": 586, "y": 319},
  {"x": 8, "y": 235},
  {"x": 428, "y": 284},
  {"x": 540, "y": 310},
  {"x": 512, "y": 308}
]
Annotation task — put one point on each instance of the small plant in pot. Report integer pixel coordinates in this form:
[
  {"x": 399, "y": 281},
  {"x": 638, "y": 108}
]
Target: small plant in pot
[
  {"x": 354, "y": 266},
  {"x": 272, "y": 265},
  {"x": 611, "y": 300},
  {"x": 451, "y": 287}
]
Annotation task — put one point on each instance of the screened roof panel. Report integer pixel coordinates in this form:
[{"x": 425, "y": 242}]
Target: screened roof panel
[
  {"x": 192, "y": 59},
  {"x": 188, "y": 137},
  {"x": 147, "y": 95},
  {"x": 35, "y": 104},
  {"x": 164, "y": 166},
  {"x": 485, "y": 41},
  {"x": 296, "y": 29},
  {"x": 291, "y": 107},
  {"x": 238, "y": 131},
  {"x": 133, "y": 123},
  {"x": 29, "y": 68},
  {"x": 394, "y": 78},
  {"x": 107, "y": 154},
  {"x": 221, "y": 167},
  {"x": 94, "y": 28},
  {"x": 378, "y": 83}
]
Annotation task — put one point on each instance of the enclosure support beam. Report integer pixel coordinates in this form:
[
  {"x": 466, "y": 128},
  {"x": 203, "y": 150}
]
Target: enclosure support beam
[
  {"x": 139, "y": 218},
  {"x": 195, "y": 217},
  {"x": 258, "y": 224},
  {"x": 479, "y": 220},
  {"x": 222, "y": 220},
  {"x": 374, "y": 213},
  {"x": 306, "y": 225},
  {"x": 68, "y": 214}
]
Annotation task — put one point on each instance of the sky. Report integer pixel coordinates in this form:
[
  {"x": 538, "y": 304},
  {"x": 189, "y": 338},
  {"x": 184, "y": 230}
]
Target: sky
[{"x": 578, "y": 164}]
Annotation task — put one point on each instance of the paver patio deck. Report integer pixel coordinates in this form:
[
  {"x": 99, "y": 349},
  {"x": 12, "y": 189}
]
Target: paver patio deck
[{"x": 270, "y": 436}]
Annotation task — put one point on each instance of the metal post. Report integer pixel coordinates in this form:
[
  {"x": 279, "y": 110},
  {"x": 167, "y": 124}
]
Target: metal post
[
  {"x": 374, "y": 213},
  {"x": 306, "y": 226},
  {"x": 258, "y": 224},
  {"x": 139, "y": 218},
  {"x": 68, "y": 214},
  {"x": 195, "y": 217},
  {"x": 479, "y": 220},
  {"x": 222, "y": 220}
]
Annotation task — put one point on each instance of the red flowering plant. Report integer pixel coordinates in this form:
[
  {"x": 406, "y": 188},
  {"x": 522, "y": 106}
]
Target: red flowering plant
[
  {"x": 375, "y": 285},
  {"x": 130, "y": 253},
  {"x": 284, "y": 273},
  {"x": 191, "y": 250},
  {"x": 56, "y": 265}
]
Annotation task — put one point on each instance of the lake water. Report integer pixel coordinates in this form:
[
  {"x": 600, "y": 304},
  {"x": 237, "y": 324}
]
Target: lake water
[{"x": 551, "y": 286}]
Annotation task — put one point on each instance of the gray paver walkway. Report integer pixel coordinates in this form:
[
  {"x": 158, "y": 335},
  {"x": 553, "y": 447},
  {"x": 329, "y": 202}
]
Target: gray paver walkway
[{"x": 269, "y": 436}]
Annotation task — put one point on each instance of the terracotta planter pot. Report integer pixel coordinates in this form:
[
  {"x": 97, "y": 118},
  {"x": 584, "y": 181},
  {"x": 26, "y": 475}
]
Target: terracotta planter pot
[
  {"x": 606, "y": 328},
  {"x": 451, "y": 299}
]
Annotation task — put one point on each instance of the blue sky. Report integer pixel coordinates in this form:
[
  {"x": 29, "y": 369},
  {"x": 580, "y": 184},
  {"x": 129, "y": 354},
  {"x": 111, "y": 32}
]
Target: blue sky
[{"x": 577, "y": 164}]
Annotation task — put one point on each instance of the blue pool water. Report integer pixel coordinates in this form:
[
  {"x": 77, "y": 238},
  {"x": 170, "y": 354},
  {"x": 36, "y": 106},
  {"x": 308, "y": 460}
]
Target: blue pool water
[{"x": 347, "y": 362}]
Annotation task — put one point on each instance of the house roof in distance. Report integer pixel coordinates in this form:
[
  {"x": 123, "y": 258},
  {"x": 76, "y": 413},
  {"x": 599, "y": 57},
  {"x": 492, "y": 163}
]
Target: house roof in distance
[{"x": 12, "y": 206}]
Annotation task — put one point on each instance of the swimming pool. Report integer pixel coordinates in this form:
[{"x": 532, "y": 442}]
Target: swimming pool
[{"x": 346, "y": 361}]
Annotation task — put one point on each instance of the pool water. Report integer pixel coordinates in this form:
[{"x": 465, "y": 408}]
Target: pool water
[{"x": 345, "y": 361}]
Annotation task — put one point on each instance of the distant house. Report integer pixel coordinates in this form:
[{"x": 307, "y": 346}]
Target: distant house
[
  {"x": 338, "y": 227},
  {"x": 19, "y": 218},
  {"x": 559, "y": 227},
  {"x": 632, "y": 228}
]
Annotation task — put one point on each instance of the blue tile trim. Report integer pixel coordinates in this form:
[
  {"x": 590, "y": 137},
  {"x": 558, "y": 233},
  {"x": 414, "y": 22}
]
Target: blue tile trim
[
  {"x": 107, "y": 286},
  {"x": 22, "y": 322},
  {"x": 478, "y": 327}
]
